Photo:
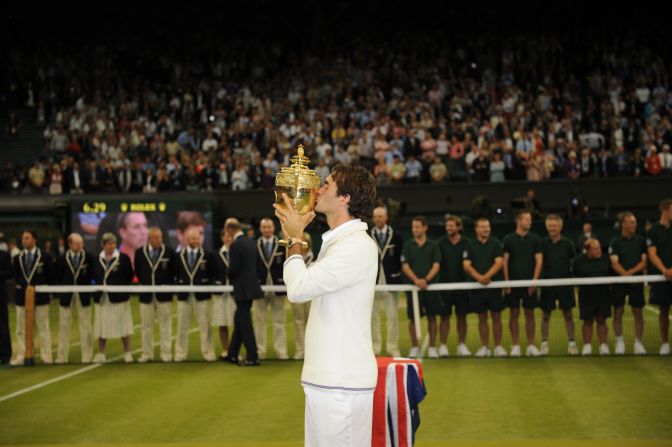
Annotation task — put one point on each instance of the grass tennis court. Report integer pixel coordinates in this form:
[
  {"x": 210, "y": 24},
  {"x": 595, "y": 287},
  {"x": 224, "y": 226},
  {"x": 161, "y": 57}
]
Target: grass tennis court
[
  {"x": 470, "y": 402},
  {"x": 556, "y": 401}
]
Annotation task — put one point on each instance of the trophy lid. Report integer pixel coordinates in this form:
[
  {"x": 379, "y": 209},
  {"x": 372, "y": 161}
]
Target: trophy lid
[{"x": 298, "y": 174}]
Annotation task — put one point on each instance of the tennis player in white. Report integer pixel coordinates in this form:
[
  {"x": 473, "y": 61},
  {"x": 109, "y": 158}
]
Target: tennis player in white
[{"x": 339, "y": 370}]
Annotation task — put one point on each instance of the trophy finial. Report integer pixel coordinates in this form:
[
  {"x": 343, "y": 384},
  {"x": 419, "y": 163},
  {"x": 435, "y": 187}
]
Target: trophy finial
[{"x": 299, "y": 161}]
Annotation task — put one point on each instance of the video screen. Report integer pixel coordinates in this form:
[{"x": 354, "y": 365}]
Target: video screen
[{"x": 130, "y": 221}]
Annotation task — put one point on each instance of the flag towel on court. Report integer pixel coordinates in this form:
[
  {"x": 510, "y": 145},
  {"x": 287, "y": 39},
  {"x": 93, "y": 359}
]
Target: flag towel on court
[{"x": 400, "y": 390}]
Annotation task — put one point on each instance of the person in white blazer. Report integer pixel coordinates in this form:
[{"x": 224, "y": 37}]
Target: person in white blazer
[{"x": 339, "y": 371}]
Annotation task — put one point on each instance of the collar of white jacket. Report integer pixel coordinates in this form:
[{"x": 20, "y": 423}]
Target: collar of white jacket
[
  {"x": 114, "y": 255},
  {"x": 351, "y": 225}
]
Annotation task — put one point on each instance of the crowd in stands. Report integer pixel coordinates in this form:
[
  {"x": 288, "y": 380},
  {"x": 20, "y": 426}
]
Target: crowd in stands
[{"x": 228, "y": 117}]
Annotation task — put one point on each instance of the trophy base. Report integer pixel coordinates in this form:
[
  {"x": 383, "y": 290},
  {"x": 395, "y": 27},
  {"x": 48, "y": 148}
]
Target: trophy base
[{"x": 283, "y": 243}]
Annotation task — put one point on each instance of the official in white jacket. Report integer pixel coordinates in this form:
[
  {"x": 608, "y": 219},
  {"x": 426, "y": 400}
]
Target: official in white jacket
[{"x": 339, "y": 371}]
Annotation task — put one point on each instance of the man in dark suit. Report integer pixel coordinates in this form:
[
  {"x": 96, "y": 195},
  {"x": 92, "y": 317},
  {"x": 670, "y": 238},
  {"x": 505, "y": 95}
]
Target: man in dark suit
[
  {"x": 74, "y": 180},
  {"x": 270, "y": 261},
  {"x": 587, "y": 163},
  {"x": 32, "y": 267},
  {"x": 605, "y": 163},
  {"x": 93, "y": 177},
  {"x": 155, "y": 266},
  {"x": 123, "y": 177},
  {"x": 5, "y": 337},
  {"x": 246, "y": 288},
  {"x": 75, "y": 267},
  {"x": 195, "y": 267},
  {"x": 389, "y": 245}
]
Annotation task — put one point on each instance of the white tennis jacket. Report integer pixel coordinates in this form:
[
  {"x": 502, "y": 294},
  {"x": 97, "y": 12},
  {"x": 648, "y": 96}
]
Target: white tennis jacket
[{"x": 340, "y": 285}]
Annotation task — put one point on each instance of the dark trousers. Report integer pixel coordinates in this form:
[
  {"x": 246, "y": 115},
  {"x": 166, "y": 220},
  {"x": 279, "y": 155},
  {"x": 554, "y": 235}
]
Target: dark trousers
[
  {"x": 5, "y": 337},
  {"x": 243, "y": 333}
]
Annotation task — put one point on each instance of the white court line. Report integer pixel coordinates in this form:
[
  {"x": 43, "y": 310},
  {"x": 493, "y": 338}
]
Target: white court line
[
  {"x": 79, "y": 371},
  {"x": 50, "y": 381}
]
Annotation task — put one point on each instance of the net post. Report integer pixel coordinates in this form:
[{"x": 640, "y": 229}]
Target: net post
[
  {"x": 29, "y": 359},
  {"x": 416, "y": 312}
]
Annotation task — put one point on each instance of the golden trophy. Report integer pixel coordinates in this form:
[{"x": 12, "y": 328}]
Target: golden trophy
[{"x": 300, "y": 183}]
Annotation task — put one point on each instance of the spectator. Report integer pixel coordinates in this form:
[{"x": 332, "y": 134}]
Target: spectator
[
  {"x": 123, "y": 177},
  {"x": 472, "y": 155},
  {"x": 74, "y": 180},
  {"x": 36, "y": 176},
  {"x": 497, "y": 168},
  {"x": 429, "y": 147},
  {"x": 622, "y": 163},
  {"x": 572, "y": 166},
  {"x": 666, "y": 160},
  {"x": 137, "y": 177},
  {"x": 442, "y": 145},
  {"x": 268, "y": 179},
  {"x": 638, "y": 164},
  {"x": 413, "y": 169},
  {"x": 149, "y": 181},
  {"x": 256, "y": 172},
  {"x": 481, "y": 166},
  {"x": 192, "y": 181},
  {"x": 93, "y": 177},
  {"x": 56, "y": 180},
  {"x": 162, "y": 180},
  {"x": 272, "y": 163},
  {"x": 210, "y": 143},
  {"x": 59, "y": 141},
  {"x": 438, "y": 171},
  {"x": 222, "y": 182},
  {"x": 239, "y": 178},
  {"x": 653, "y": 162},
  {"x": 109, "y": 182},
  {"x": 322, "y": 170},
  {"x": 512, "y": 165},
  {"x": 456, "y": 148},
  {"x": 605, "y": 163},
  {"x": 397, "y": 171},
  {"x": 586, "y": 163},
  {"x": 524, "y": 145},
  {"x": 341, "y": 155}
]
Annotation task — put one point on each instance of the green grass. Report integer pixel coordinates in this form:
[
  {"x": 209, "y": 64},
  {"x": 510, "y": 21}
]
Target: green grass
[
  {"x": 470, "y": 402},
  {"x": 554, "y": 401}
]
